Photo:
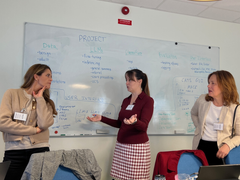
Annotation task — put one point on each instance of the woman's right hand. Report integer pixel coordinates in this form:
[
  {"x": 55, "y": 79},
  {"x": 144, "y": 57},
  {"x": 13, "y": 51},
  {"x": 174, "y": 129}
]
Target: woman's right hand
[
  {"x": 223, "y": 151},
  {"x": 95, "y": 118},
  {"x": 39, "y": 93}
]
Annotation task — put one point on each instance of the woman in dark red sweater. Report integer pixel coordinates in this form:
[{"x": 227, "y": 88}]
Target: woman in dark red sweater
[{"x": 131, "y": 158}]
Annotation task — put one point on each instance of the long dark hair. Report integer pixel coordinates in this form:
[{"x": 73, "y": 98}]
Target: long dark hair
[
  {"x": 139, "y": 75},
  {"x": 29, "y": 79},
  {"x": 228, "y": 87}
]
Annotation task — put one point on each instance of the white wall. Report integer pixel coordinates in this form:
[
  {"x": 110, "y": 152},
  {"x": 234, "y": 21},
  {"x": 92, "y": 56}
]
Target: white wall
[{"x": 103, "y": 16}]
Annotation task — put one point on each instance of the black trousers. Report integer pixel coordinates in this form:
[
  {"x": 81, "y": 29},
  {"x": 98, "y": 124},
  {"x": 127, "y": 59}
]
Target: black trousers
[
  {"x": 210, "y": 149},
  {"x": 19, "y": 160}
]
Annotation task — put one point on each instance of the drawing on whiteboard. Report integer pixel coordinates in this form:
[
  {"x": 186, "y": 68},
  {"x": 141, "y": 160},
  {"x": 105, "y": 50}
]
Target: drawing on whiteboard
[{"x": 88, "y": 68}]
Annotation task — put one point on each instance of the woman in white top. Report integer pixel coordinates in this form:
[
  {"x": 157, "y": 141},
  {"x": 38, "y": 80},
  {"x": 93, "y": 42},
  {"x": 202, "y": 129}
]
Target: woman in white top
[{"x": 212, "y": 115}]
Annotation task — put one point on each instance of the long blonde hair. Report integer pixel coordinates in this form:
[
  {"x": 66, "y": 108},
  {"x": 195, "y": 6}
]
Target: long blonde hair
[{"x": 29, "y": 79}]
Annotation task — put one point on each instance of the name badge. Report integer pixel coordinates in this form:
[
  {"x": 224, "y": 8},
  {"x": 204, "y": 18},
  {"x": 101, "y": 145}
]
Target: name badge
[
  {"x": 20, "y": 116},
  {"x": 218, "y": 126},
  {"x": 130, "y": 107}
]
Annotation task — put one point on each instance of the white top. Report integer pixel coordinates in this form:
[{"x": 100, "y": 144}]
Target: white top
[{"x": 209, "y": 134}]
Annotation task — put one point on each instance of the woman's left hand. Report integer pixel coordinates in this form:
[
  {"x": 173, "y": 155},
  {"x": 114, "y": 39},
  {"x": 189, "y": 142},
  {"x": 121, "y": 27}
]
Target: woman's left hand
[
  {"x": 38, "y": 130},
  {"x": 223, "y": 151},
  {"x": 131, "y": 120},
  {"x": 39, "y": 93}
]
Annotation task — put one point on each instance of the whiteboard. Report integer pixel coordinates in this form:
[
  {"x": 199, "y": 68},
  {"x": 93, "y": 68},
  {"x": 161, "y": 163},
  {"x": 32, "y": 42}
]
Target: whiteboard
[{"x": 88, "y": 77}]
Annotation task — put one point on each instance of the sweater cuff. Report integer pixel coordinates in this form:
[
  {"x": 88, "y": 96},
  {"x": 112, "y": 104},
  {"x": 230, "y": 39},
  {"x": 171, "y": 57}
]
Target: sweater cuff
[
  {"x": 40, "y": 98},
  {"x": 229, "y": 143}
]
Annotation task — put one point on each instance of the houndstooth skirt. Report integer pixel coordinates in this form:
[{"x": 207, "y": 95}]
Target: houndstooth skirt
[{"x": 131, "y": 161}]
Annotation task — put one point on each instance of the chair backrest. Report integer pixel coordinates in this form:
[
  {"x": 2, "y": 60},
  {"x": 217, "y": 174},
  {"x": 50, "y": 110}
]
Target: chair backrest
[
  {"x": 188, "y": 163},
  {"x": 42, "y": 165},
  {"x": 234, "y": 156},
  {"x": 170, "y": 163},
  {"x": 64, "y": 173}
]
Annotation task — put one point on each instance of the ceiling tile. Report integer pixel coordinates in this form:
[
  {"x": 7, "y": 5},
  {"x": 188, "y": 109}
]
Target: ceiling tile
[
  {"x": 237, "y": 21},
  {"x": 199, "y": 3},
  {"x": 220, "y": 14},
  {"x": 128, "y": 2},
  {"x": 224, "y": 10},
  {"x": 140, "y": 3},
  {"x": 233, "y": 5},
  {"x": 181, "y": 7},
  {"x": 106, "y": 0},
  {"x": 150, "y": 3}
]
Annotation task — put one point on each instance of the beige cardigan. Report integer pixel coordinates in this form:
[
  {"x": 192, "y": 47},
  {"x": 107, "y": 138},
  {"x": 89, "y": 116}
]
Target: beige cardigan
[
  {"x": 13, "y": 101},
  {"x": 199, "y": 113}
]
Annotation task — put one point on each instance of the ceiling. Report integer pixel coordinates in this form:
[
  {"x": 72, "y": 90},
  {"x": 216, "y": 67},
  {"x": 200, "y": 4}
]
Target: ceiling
[{"x": 223, "y": 10}]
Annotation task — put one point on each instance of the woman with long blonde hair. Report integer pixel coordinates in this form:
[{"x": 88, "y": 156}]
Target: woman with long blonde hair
[{"x": 25, "y": 116}]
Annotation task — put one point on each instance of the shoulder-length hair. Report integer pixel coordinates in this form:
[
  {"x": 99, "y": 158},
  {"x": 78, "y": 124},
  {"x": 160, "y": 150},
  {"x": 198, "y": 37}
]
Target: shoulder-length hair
[
  {"x": 139, "y": 75},
  {"x": 228, "y": 87},
  {"x": 29, "y": 79}
]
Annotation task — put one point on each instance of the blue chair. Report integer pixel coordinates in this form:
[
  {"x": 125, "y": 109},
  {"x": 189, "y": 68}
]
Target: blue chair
[
  {"x": 233, "y": 157},
  {"x": 188, "y": 163},
  {"x": 64, "y": 173}
]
